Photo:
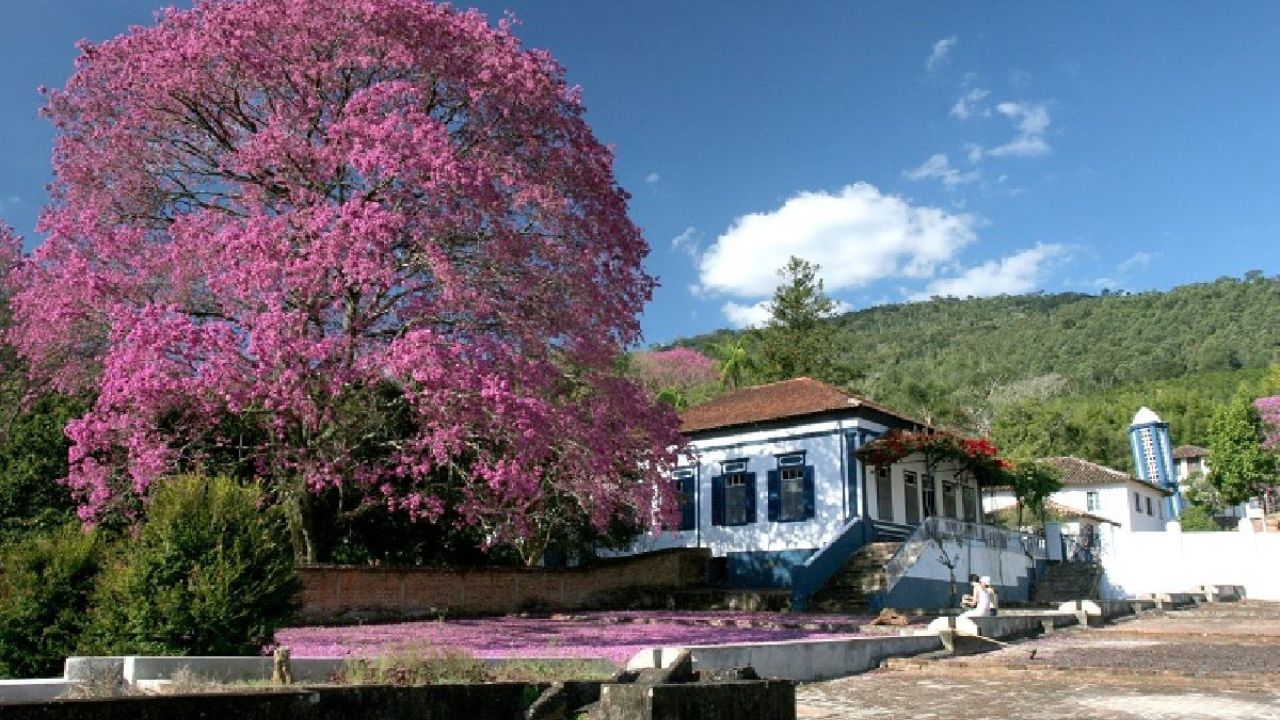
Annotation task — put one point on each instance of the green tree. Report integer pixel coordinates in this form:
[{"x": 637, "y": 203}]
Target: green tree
[
  {"x": 1240, "y": 466},
  {"x": 33, "y": 456},
  {"x": 797, "y": 340},
  {"x": 1032, "y": 484},
  {"x": 1197, "y": 518},
  {"x": 736, "y": 364},
  {"x": 211, "y": 573},
  {"x": 46, "y": 585}
]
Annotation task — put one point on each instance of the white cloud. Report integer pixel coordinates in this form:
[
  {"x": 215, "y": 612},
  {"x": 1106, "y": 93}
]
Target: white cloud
[
  {"x": 970, "y": 104},
  {"x": 858, "y": 235},
  {"x": 941, "y": 50},
  {"x": 1018, "y": 273},
  {"x": 741, "y": 316},
  {"x": 1032, "y": 121},
  {"x": 974, "y": 152},
  {"x": 653, "y": 178},
  {"x": 1137, "y": 260},
  {"x": 687, "y": 243},
  {"x": 938, "y": 166}
]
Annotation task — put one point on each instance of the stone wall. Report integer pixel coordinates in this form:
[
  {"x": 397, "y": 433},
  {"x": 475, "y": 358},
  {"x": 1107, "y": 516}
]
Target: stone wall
[{"x": 345, "y": 593}]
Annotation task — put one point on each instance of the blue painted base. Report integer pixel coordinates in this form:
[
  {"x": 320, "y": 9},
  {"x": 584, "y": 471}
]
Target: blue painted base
[
  {"x": 763, "y": 569},
  {"x": 936, "y": 594}
]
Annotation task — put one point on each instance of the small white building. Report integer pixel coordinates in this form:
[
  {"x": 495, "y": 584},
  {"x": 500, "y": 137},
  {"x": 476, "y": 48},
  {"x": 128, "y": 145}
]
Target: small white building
[
  {"x": 1115, "y": 495},
  {"x": 776, "y": 477},
  {"x": 1189, "y": 460}
]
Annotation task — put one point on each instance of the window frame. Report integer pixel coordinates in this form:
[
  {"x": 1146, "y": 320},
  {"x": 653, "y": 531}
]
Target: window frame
[
  {"x": 687, "y": 474},
  {"x": 734, "y": 471},
  {"x": 1092, "y": 501},
  {"x": 784, "y": 464}
]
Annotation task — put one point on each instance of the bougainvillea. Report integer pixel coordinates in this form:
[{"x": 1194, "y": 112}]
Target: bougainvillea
[
  {"x": 377, "y": 235},
  {"x": 976, "y": 455}
]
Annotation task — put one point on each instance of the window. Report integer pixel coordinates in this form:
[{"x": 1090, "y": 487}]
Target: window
[
  {"x": 929, "y": 496},
  {"x": 970, "y": 498},
  {"x": 1148, "y": 504},
  {"x": 1091, "y": 501},
  {"x": 1137, "y": 502},
  {"x": 950, "y": 498},
  {"x": 791, "y": 489},
  {"x": 884, "y": 495},
  {"x": 733, "y": 495},
  {"x": 686, "y": 480},
  {"x": 911, "y": 485}
]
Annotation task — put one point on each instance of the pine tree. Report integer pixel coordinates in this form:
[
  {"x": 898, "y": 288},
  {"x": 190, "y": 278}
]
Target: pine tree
[{"x": 796, "y": 341}]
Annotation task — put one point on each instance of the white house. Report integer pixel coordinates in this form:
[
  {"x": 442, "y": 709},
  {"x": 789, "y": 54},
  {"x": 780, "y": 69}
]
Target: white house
[
  {"x": 1115, "y": 495},
  {"x": 776, "y": 478},
  {"x": 1190, "y": 460}
]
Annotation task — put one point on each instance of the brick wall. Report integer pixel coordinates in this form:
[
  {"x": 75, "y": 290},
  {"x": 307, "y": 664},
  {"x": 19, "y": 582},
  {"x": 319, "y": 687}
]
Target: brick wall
[{"x": 342, "y": 592}]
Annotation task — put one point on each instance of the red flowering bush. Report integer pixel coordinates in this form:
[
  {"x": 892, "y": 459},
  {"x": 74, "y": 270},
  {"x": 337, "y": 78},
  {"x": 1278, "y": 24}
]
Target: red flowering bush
[{"x": 976, "y": 455}]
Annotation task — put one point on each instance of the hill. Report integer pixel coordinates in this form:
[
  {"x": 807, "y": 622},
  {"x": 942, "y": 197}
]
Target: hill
[{"x": 977, "y": 364}]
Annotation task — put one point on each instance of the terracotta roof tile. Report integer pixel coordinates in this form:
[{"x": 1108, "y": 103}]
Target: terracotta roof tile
[
  {"x": 777, "y": 401},
  {"x": 1076, "y": 471},
  {"x": 1189, "y": 451},
  {"x": 1079, "y": 472}
]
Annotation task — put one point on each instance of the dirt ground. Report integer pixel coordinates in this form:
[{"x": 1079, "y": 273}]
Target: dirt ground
[{"x": 1211, "y": 661}]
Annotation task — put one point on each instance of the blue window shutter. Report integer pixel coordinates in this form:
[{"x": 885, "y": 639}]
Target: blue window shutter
[
  {"x": 808, "y": 492},
  {"x": 689, "y": 503},
  {"x": 751, "y": 498},
  {"x": 775, "y": 495},
  {"x": 717, "y": 500}
]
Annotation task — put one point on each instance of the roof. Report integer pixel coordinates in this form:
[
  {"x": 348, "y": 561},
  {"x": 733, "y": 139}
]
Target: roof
[
  {"x": 1189, "y": 451},
  {"x": 1076, "y": 472},
  {"x": 1058, "y": 509},
  {"x": 778, "y": 401}
]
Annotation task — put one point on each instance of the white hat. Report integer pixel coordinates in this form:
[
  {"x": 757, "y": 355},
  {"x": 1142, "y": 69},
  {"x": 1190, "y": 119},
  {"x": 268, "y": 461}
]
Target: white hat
[{"x": 985, "y": 579}]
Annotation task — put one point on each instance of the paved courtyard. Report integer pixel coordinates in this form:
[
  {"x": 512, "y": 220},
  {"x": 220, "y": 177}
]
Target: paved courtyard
[{"x": 1213, "y": 661}]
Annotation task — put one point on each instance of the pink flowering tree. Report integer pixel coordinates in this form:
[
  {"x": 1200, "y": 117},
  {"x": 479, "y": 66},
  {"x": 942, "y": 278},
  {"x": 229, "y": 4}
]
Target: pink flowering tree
[
  {"x": 350, "y": 245},
  {"x": 679, "y": 376},
  {"x": 1269, "y": 413}
]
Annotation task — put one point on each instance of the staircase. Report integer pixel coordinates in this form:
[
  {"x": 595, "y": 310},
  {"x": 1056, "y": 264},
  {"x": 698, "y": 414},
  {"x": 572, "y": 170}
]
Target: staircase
[
  {"x": 861, "y": 577},
  {"x": 1068, "y": 581}
]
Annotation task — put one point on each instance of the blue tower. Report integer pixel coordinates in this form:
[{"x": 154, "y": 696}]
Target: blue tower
[{"x": 1153, "y": 457}]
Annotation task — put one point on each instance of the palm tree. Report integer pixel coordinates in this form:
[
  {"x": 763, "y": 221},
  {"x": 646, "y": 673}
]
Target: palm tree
[{"x": 735, "y": 362}]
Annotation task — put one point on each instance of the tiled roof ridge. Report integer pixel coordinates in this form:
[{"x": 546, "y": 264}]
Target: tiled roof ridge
[{"x": 1100, "y": 466}]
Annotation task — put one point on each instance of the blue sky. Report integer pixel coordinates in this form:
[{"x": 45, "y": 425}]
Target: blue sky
[{"x": 910, "y": 148}]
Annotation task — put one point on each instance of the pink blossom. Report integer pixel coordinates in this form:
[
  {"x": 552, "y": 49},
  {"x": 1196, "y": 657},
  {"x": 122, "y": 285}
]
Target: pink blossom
[
  {"x": 263, "y": 209},
  {"x": 1269, "y": 411}
]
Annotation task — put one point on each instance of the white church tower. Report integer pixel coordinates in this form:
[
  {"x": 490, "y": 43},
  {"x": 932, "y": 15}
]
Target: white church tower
[{"x": 1153, "y": 457}]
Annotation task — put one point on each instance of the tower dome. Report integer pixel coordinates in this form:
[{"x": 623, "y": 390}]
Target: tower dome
[{"x": 1145, "y": 416}]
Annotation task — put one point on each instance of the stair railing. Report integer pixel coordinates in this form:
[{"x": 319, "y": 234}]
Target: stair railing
[
  {"x": 807, "y": 579},
  {"x": 935, "y": 530}
]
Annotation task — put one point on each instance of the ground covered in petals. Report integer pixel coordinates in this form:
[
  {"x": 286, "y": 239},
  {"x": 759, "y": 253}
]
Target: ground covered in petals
[{"x": 613, "y": 636}]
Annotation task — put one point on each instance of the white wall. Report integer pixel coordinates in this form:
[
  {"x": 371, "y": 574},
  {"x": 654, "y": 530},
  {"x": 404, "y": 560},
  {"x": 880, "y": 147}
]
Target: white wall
[
  {"x": 836, "y": 500},
  {"x": 1174, "y": 561},
  {"x": 1115, "y": 503},
  {"x": 825, "y": 450}
]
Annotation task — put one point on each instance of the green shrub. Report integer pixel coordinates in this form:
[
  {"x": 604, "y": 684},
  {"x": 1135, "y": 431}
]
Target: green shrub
[
  {"x": 211, "y": 573},
  {"x": 45, "y": 591},
  {"x": 1196, "y": 518}
]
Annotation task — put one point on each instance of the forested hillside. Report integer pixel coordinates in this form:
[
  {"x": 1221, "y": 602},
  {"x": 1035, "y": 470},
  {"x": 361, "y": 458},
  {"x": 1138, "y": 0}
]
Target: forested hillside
[{"x": 1056, "y": 373}]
